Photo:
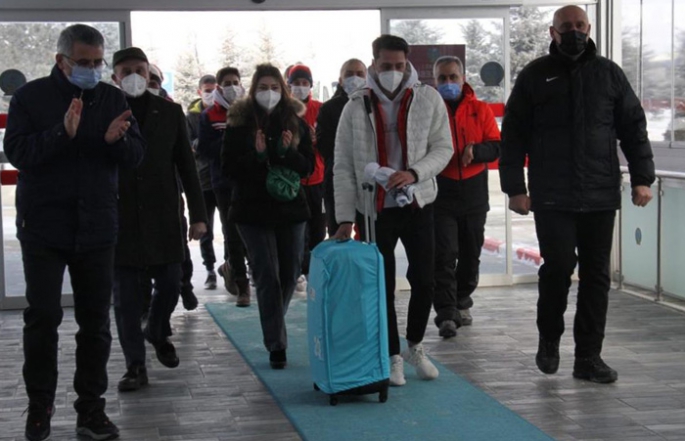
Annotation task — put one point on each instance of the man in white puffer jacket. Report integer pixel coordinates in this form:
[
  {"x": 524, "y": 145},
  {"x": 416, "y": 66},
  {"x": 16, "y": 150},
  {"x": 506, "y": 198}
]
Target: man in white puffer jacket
[{"x": 402, "y": 124}]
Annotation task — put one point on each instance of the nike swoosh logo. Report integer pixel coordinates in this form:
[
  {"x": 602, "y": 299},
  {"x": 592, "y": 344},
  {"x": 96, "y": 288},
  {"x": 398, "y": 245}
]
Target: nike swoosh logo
[{"x": 551, "y": 79}]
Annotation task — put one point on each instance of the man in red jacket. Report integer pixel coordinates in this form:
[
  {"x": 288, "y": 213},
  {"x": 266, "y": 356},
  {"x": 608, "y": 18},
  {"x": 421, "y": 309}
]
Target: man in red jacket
[
  {"x": 300, "y": 82},
  {"x": 462, "y": 203}
]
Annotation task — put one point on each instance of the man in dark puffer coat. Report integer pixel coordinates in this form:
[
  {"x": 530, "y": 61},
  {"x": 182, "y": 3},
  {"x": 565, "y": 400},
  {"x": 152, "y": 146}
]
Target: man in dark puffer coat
[{"x": 566, "y": 113}]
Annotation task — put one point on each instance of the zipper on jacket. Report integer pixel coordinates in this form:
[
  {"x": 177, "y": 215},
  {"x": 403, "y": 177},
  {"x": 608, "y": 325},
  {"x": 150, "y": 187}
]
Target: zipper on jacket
[{"x": 369, "y": 111}]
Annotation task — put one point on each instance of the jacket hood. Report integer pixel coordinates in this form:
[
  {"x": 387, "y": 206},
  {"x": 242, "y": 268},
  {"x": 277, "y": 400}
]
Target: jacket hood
[
  {"x": 467, "y": 92},
  {"x": 411, "y": 78}
]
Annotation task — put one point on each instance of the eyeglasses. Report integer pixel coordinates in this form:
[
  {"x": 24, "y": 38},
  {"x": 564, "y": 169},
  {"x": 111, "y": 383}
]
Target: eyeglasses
[{"x": 97, "y": 64}]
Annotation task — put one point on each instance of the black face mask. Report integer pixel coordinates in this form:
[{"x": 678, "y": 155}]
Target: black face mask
[{"x": 572, "y": 42}]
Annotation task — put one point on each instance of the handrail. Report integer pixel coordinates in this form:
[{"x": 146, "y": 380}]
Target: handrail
[
  {"x": 658, "y": 292},
  {"x": 660, "y": 173}
]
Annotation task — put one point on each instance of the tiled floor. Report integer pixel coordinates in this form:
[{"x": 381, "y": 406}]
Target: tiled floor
[{"x": 214, "y": 396}]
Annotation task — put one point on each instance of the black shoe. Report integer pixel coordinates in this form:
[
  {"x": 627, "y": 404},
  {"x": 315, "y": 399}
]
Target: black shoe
[
  {"x": 277, "y": 359},
  {"x": 594, "y": 369},
  {"x": 38, "y": 422},
  {"x": 448, "y": 329},
  {"x": 210, "y": 283},
  {"x": 547, "y": 357},
  {"x": 96, "y": 425},
  {"x": 164, "y": 349},
  {"x": 134, "y": 378},
  {"x": 189, "y": 299}
]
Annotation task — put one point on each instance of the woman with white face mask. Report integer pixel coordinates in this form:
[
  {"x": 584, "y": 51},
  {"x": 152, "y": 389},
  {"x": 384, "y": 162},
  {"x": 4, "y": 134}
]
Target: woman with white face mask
[{"x": 265, "y": 138}]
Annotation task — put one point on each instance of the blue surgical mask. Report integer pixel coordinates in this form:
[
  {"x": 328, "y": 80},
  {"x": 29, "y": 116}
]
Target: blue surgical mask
[
  {"x": 449, "y": 91},
  {"x": 85, "y": 77}
]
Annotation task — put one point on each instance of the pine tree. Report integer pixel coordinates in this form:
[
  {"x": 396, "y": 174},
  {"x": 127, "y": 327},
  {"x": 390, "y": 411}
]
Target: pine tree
[
  {"x": 480, "y": 48},
  {"x": 233, "y": 55},
  {"x": 630, "y": 55},
  {"x": 415, "y": 32},
  {"x": 188, "y": 72},
  {"x": 529, "y": 36},
  {"x": 29, "y": 47},
  {"x": 680, "y": 69},
  {"x": 268, "y": 50}
]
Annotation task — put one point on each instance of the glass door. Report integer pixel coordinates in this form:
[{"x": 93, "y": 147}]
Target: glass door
[
  {"x": 33, "y": 61},
  {"x": 480, "y": 37}
]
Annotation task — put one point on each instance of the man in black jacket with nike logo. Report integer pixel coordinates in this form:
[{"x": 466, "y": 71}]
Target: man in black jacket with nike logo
[{"x": 566, "y": 113}]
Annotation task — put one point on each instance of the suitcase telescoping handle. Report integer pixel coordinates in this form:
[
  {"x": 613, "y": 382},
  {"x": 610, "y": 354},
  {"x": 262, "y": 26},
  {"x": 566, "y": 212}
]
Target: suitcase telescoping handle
[{"x": 369, "y": 223}]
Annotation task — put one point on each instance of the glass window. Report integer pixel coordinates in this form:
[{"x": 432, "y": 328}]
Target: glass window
[
  {"x": 679, "y": 60},
  {"x": 481, "y": 41},
  {"x": 528, "y": 35},
  {"x": 30, "y": 48},
  {"x": 656, "y": 69},
  {"x": 630, "y": 43},
  {"x": 187, "y": 45}
]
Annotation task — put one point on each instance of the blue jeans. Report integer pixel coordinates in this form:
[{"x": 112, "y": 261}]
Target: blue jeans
[
  {"x": 129, "y": 283},
  {"x": 276, "y": 254}
]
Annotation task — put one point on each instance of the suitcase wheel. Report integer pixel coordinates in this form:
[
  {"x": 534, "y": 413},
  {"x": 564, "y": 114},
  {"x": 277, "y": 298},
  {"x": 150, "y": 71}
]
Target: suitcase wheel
[
  {"x": 334, "y": 400},
  {"x": 316, "y": 388},
  {"x": 383, "y": 396}
]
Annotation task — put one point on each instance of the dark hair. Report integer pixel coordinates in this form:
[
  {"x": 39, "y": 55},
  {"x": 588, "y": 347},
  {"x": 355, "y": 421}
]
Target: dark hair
[
  {"x": 389, "y": 43},
  {"x": 282, "y": 111},
  {"x": 78, "y": 33},
  {"x": 206, "y": 79},
  {"x": 226, "y": 71}
]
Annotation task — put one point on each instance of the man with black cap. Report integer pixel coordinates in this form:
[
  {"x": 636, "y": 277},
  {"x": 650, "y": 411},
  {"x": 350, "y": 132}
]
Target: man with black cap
[
  {"x": 69, "y": 135},
  {"x": 151, "y": 241}
]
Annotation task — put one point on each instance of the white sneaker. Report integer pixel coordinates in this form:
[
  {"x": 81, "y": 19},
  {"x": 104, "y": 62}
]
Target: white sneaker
[
  {"x": 397, "y": 371},
  {"x": 416, "y": 357},
  {"x": 301, "y": 286}
]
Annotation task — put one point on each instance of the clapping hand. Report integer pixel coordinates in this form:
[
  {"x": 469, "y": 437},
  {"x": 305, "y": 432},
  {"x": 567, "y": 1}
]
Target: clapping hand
[
  {"x": 287, "y": 137},
  {"x": 117, "y": 129},
  {"x": 260, "y": 142},
  {"x": 72, "y": 118}
]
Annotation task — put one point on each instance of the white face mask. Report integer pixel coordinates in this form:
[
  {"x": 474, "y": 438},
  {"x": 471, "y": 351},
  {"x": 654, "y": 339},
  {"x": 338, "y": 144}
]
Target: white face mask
[
  {"x": 154, "y": 91},
  {"x": 218, "y": 98},
  {"x": 134, "y": 85},
  {"x": 268, "y": 99},
  {"x": 350, "y": 84},
  {"x": 300, "y": 92},
  {"x": 208, "y": 98},
  {"x": 232, "y": 93},
  {"x": 390, "y": 80}
]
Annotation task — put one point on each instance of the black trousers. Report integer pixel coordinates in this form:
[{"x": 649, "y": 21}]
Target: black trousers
[
  {"x": 234, "y": 249},
  {"x": 128, "y": 296},
  {"x": 329, "y": 205},
  {"x": 207, "y": 241},
  {"x": 458, "y": 243},
  {"x": 560, "y": 235},
  {"x": 316, "y": 225},
  {"x": 91, "y": 275},
  {"x": 414, "y": 227}
]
